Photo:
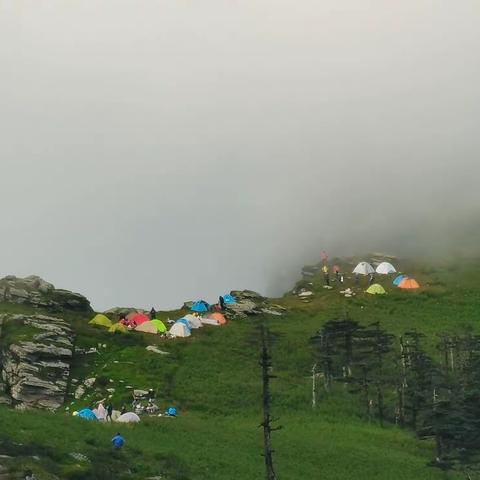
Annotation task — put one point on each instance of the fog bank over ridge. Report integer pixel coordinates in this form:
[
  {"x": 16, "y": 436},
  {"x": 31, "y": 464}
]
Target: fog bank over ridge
[{"x": 157, "y": 152}]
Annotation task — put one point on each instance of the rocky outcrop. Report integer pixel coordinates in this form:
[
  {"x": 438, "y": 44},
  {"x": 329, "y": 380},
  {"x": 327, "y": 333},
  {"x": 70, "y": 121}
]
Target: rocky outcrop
[
  {"x": 35, "y": 360},
  {"x": 38, "y": 293},
  {"x": 251, "y": 303}
]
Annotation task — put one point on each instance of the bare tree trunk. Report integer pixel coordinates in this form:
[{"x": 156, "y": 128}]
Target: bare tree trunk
[{"x": 266, "y": 364}]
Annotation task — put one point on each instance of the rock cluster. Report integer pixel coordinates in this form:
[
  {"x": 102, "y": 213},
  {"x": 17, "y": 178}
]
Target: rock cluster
[
  {"x": 251, "y": 303},
  {"x": 35, "y": 360},
  {"x": 37, "y": 292}
]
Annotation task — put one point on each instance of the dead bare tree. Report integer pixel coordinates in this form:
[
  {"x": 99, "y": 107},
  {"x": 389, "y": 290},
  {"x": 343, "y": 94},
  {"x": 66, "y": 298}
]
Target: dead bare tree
[{"x": 266, "y": 364}]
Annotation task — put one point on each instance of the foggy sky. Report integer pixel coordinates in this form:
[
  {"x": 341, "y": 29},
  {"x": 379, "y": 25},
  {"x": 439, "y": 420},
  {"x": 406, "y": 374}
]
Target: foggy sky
[{"x": 153, "y": 152}]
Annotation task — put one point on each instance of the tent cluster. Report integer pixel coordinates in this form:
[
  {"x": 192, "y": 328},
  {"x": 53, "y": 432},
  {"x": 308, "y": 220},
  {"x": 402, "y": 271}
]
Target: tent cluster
[
  {"x": 364, "y": 268},
  {"x": 203, "y": 314},
  {"x": 137, "y": 321},
  {"x": 384, "y": 268},
  {"x": 96, "y": 415},
  {"x": 183, "y": 327}
]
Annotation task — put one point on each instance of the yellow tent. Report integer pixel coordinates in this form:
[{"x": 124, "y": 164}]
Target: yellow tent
[
  {"x": 101, "y": 320},
  {"x": 376, "y": 289},
  {"x": 118, "y": 327}
]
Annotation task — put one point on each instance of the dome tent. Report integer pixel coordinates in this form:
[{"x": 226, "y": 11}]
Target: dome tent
[
  {"x": 179, "y": 330},
  {"x": 185, "y": 322},
  {"x": 118, "y": 327},
  {"x": 101, "y": 320},
  {"x": 193, "y": 321},
  {"x": 398, "y": 280},
  {"x": 160, "y": 326},
  {"x": 229, "y": 299},
  {"x": 385, "y": 268},
  {"x": 147, "y": 327},
  {"x": 200, "y": 306},
  {"x": 140, "y": 318},
  {"x": 409, "y": 284},
  {"x": 363, "y": 268},
  {"x": 376, "y": 289},
  {"x": 129, "y": 417},
  {"x": 87, "y": 414},
  {"x": 218, "y": 317}
]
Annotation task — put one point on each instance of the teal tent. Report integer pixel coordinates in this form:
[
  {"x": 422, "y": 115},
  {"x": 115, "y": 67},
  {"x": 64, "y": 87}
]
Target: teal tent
[
  {"x": 398, "y": 280},
  {"x": 87, "y": 414},
  {"x": 200, "y": 306},
  {"x": 229, "y": 299}
]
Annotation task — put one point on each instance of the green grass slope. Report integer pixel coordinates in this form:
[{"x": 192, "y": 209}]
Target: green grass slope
[{"x": 213, "y": 378}]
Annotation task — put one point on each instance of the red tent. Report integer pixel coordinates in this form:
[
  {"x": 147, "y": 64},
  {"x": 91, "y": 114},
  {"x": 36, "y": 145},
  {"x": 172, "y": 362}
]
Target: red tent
[{"x": 140, "y": 318}]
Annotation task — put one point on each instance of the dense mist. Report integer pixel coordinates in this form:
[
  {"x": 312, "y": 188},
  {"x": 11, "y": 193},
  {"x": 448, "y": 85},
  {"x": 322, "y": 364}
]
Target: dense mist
[{"x": 154, "y": 152}]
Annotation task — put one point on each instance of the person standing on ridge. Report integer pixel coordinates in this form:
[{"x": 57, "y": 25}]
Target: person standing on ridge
[
  {"x": 326, "y": 277},
  {"x": 153, "y": 314},
  {"x": 221, "y": 301}
]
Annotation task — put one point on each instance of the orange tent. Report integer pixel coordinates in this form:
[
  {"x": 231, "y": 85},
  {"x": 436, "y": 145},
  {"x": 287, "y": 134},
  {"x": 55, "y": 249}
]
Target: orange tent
[
  {"x": 219, "y": 317},
  {"x": 409, "y": 283}
]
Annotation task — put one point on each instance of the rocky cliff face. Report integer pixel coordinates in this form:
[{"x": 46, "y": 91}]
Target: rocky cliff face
[
  {"x": 35, "y": 358},
  {"x": 38, "y": 293}
]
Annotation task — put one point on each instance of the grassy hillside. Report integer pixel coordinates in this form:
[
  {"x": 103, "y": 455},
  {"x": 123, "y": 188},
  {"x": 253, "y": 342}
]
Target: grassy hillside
[{"x": 213, "y": 378}]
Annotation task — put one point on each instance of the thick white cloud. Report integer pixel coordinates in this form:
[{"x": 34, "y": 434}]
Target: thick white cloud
[{"x": 154, "y": 152}]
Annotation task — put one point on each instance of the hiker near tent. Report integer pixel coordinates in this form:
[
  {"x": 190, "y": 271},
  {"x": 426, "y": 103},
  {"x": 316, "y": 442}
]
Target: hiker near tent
[
  {"x": 123, "y": 410},
  {"x": 101, "y": 412},
  {"x": 371, "y": 279},
  {"x": 109, "y": 412},
  {"x": 153, "y": 314},
  {"x": 336, "y": 270},
  {"x": 151, "y": 395},
  {"x": 221, "y": 301},
  {"x": 357, "y": 279},
  {"x": 118, "y": 441}
]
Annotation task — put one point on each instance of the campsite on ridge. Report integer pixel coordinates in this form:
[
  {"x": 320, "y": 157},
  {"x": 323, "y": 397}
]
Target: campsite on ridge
[{"x": 212, "y": 380}]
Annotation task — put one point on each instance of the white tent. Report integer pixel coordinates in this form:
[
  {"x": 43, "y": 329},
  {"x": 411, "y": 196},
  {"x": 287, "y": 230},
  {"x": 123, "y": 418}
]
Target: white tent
[
  {"x": 385, "y": 268},
  {"x": 179, "y": 330},
  {"x": 363, "y": 268},
  {"x": 129, "y": 417},
  {"x": 210, "y": 321},
  {"x": 194, "y": 321}
]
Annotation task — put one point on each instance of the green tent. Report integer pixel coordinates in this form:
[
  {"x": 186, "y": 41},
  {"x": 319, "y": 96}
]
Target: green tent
[
  {"x": 160, "y": 326},
  {"x": 118, "y": 327},
  {"x": 376, "y": 289},
  {"x": 101, "y": 320}
]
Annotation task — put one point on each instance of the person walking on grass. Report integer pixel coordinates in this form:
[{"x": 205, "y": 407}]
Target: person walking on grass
[{"x": 118, "y": 442}]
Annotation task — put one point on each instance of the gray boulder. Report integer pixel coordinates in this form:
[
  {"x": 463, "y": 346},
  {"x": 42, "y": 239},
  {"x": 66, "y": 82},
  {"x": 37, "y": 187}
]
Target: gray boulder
[{"x": 37, "y": 292}]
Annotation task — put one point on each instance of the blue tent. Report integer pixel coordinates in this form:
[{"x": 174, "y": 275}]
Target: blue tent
[
  {"x": 229, "y": 299},
  {"x": 200, "y": 306},
  {"x": 185, "y": 322},
  {"x": 171, "y": 412},
  {"x": 87, "y": 414},
  {"x": 398, "y": 280}
]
